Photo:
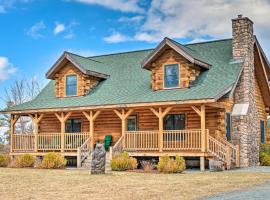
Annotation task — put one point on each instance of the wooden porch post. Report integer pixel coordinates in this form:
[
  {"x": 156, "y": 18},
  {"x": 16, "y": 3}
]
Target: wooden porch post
[
  {"x": 203, "y": 135},
  {"x": 204, "y": 143},
  {"x": 201, "y": 113},
  {"x": 160, "y": 115},
  {"x": 13, "y": 120},
  {"x": 123, "y": 116},
  {"x": 91, "y": 118},
  {"x": 36, "y": 119},
  {"x": 63, "y": 118}
]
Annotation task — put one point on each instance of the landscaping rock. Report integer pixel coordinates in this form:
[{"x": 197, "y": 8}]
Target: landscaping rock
[
  {"x": 98, "y": 160},
  {"x": 216, "y": 165}
]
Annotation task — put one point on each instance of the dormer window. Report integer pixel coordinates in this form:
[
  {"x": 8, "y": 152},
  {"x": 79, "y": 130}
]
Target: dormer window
[
  {"x": 71, "y": 85},
  {"x": 171, "y": 75}
]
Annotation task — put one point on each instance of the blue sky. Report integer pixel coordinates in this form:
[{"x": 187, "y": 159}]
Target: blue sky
[{"x": 34, "y": 33}]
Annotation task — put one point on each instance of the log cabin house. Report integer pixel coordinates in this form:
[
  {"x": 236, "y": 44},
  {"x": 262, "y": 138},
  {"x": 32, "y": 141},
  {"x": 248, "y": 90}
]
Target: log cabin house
[{"x": 203, "y": 100}]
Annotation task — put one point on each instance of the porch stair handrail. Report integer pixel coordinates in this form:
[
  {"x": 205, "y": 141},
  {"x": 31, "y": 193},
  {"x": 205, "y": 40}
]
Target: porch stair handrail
[
  {"x": 234, "y": 150},
  {"x": 216, "y": 148},
  {"x": 83, "y": 152},
  {"x": 223, "y": 150},
  {"x": 117, "y": 148}
]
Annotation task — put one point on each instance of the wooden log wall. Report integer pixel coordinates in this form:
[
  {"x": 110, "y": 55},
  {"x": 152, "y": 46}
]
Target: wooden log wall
[
  {"x": 261, "y": 108},
  {"x": 84, "y": 82},
  {"x": 187, "y": 71}
]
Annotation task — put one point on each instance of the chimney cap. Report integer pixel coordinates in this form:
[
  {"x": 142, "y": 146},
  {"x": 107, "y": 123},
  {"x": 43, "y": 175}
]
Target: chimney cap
[{"x": 239, "y": 16}]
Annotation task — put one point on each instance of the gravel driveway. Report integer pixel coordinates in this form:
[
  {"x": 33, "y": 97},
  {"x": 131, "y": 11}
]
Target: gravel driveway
[{"x": 257, "y": 192}]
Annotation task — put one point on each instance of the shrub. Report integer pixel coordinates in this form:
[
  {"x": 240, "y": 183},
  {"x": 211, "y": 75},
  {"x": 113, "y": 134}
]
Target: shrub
[
  {"x": 264, "y": 159},
  {"x": 25, "y": 160},
  {"x": 169, "y": 165},
  {"x": 133, "y": 163},
  {"x": 53, "y": 161},
  {"x": 4, "y": 160},
  {"x": 265, "y": 155},
  {"x": 265, "y": 148},
  {"x": 147, "y": 166},
  {"x": 123, "y": 162}
]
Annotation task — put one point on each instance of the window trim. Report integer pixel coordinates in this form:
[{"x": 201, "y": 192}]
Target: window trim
[
  {"x": 179, "y": 80},
  {"x": 77, "y": 83},
  {"x": 136, "y": 120}
]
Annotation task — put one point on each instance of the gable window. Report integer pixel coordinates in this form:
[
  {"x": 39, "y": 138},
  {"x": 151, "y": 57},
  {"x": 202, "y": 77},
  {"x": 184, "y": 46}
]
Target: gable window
[
  {"x": 73, "y": 126},
  {"x": 132, "y": 123},
  {"x": 174, "y": 122},
  {"x": 71, "y": 85},
  {"x": 171, "y": 76}
]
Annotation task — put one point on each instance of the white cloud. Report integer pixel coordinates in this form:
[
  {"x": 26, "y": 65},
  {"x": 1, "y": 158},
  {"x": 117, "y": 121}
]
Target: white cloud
[
  {"x": 67, "y": 29},
  {"x": 69, "y": 36},
  {"x": 196, "y": 19},
  {"x": 35, "y": 30},
  {"x": 116, "y": 38},
  {"x": 7, "y": 4},
  {"x": 136, "y": 19},
  {"x": 6, "y": 68},
  {"x": 121, "y": 5},
  {"x": 59, "y": 28}
]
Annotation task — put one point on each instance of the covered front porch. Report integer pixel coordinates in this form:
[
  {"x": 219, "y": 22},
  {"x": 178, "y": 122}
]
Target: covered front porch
[{"x": 190, "y": 130}]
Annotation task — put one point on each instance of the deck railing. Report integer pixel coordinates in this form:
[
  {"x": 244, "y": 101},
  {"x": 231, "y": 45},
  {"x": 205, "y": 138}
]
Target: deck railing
[
  {"x": 182, "y": 140},
  {"x": 75, "y": 140},
  {"x": 141, "y": 140},
  {"x": 23, "y": 142},
  {"x": 48, "y": 141},
  {"x": 172, "y": 140}
]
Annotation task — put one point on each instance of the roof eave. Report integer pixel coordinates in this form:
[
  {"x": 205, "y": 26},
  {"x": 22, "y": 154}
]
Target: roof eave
[
  {"x": 178, "y": 49},
  {"x": 65, "y": 55}
]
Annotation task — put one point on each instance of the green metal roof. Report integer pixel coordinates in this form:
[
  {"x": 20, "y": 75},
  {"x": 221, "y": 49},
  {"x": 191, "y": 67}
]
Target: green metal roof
[{"x": 129, "y": 83}]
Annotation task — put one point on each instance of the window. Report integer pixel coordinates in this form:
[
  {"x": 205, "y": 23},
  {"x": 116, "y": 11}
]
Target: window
[
  {"x": 174, "y": 122},
  {"x": 73, "y": 126},
  {"x": 228, "y": 126},
  {"x": 171, "y": 76},
  {"x": 71, "y": 85},
  {"x": 262, "y": 125},
  {"x": 132, "y": 123}
]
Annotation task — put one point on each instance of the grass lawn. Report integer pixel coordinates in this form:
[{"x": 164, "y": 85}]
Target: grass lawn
[{"x": 78, "y": 184}]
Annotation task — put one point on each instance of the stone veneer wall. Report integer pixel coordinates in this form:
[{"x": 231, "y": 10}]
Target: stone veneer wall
[{"x": 246, "y": 128}]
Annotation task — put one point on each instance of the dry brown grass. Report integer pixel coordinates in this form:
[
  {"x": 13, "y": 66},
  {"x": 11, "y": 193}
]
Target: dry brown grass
[{"x": 78, "y": 184}]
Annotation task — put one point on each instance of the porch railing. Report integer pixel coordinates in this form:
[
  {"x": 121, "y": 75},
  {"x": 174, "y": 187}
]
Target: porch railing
[
  {"x": 141, "y": 140},
  {"x": 182, "y": 140},
  {"x": 75, "y": 140},
  {"x": 48, "y": 141},
  {"x": 23, "y": 142},
  {"x": 172, "y": 140}
]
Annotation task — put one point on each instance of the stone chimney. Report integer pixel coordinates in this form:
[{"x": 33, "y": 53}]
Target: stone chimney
[{"x": 245, "y": 128}]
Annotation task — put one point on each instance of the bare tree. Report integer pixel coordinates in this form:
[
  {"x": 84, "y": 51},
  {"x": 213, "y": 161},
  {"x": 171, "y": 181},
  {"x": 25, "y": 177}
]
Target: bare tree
[{"x": 19, "y": 92}]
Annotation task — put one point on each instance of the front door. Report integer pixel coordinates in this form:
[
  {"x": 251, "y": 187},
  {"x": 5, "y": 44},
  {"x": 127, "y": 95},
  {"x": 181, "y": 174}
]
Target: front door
[{"x": 262, "y": 131}]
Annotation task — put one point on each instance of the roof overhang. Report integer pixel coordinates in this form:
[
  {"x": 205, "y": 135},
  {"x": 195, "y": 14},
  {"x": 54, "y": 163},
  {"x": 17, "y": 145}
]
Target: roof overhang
[
  {"x": 261, "y": 71},
  {"x": 166, "y": 42},
  {"x": 264, "y": 58},
  {"x": 112, "y": 106},
  {"x": 66, "y": 57}
]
